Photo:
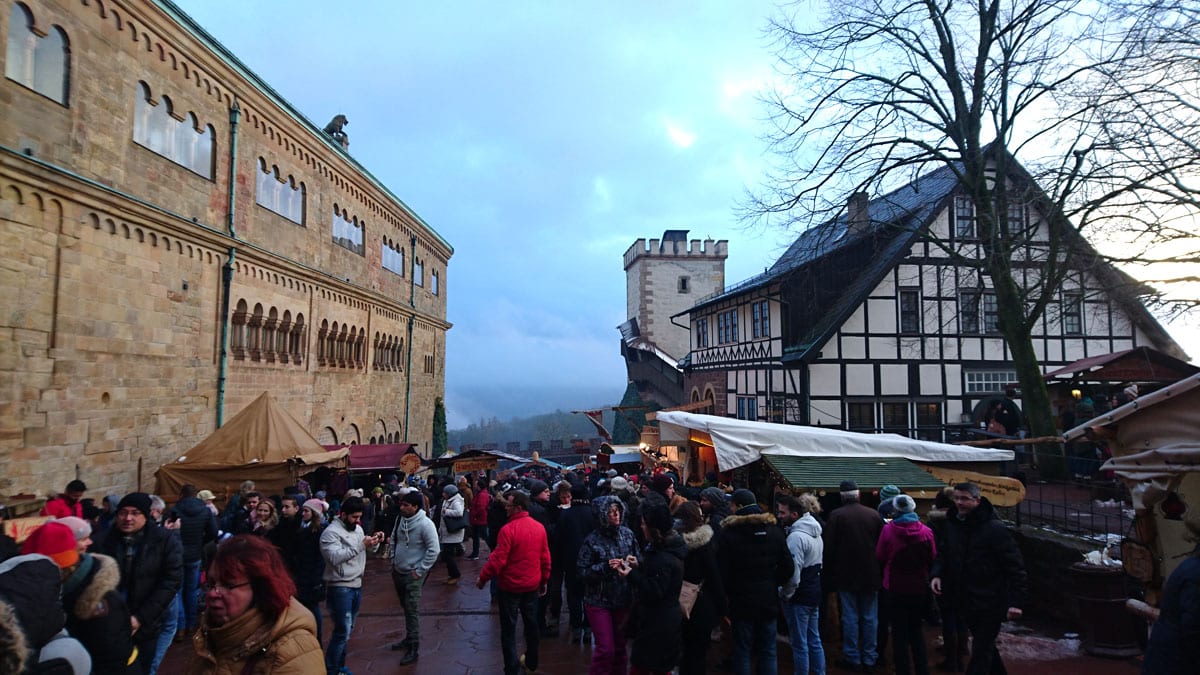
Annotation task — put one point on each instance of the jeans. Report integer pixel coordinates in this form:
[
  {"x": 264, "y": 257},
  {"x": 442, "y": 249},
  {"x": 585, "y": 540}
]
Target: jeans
[
  {"x": 526, "y": 605},
  {"x": 408, "y": 590},
  {"x": 608, "y": 640},
  {"x": 477, "y": 532},
  {"x": 907, "y": 614},
  {"x": 859, "y": 626},
  {"x": 190, "y": 592},
  {"x": 343, "y": 603},
  {"x": 170, "y": 622},
  {"x": 754, "y": 639},
  {"x": 807, "y": 652}
]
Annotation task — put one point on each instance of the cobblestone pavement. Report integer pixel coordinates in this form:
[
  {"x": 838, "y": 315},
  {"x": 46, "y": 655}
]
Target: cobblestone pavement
[{"x": 461, "y": 635}]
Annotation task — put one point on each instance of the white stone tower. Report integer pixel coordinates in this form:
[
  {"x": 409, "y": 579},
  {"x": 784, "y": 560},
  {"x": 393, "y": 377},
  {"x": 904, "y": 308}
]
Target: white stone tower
[{"x": 667, "y": 277}]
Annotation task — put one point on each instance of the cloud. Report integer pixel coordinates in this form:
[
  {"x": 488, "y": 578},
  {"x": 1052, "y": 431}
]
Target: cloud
[{"x": 678, "y": 136}]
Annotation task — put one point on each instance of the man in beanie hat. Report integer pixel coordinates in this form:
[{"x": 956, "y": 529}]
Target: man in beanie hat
[
  {"x": 415, "y": 549},
  {"x": 715, "y": 506},
  {"x": 96, "y": 614},
  {"x": 67, "y": 503},
  {"x": 851, "y": 569},
  {"x": 150, "y": 560},
  {"x": 753, "y": 557}
]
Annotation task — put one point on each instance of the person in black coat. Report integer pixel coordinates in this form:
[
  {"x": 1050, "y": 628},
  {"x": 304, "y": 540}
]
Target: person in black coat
[
  {"x": 197, "y": 527},
  {"x": 656, "y": 620},
  {"x": 151, "y": 562},
  {"x": 96, "y": 614},
  {"x": 1174, "y": 647},
  {"x": 982, "y": 572},
  {"x": 700, "y": 567},
  {"x": 754, "y": 560},
  {"x": 574, "y": 525}
]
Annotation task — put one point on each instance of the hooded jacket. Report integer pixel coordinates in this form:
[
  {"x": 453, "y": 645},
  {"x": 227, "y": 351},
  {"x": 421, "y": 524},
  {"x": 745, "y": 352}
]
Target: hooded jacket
[
  {"x": 30, "y": 612},
  {"x": 981, "y": 567},
  {"x": 906, "y": 549},
  {"x": 197, "y": 527},
  {"x": 658, "y": 619},
  {"x": 415, "y": 545},
  {"x": 521, "y": 561},
  {"x": 754, "y": 560},
  {"x": 97, "y": 616},
  {"x": 251, "y": 644},
  {"x": 700, "y": 567},
  {"x": 602, "y": 585},
  {"x": 808, "y": 550}
]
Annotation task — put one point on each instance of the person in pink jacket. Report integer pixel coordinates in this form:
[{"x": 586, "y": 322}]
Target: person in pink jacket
[{"x": 906, "y": 550}]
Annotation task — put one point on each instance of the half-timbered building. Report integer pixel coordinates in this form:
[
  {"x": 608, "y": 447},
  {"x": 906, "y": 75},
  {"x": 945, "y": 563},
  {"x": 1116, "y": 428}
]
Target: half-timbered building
[{"x": 876, "y": 320}]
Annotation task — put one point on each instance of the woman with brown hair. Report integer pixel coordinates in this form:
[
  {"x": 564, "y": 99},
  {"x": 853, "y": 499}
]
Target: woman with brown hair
[
  {"x": 266, "y": 518},
  {"x": 251, "y": 622}
]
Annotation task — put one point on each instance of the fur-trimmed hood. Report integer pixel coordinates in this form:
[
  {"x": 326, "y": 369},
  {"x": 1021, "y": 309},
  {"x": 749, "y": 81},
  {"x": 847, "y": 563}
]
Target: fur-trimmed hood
[
  {"x": 104, "y": 577},
  {"x": 748, "y": 520},
  {"x": 698, "y": 537},
  {"x": 13, "y": 648}
]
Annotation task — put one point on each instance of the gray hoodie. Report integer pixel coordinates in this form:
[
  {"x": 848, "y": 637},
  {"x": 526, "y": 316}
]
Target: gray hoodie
[
  {"x": 807, "y": 548},
  {"x": 415, "y": 545},
  {"x": 344, "y": 553}
]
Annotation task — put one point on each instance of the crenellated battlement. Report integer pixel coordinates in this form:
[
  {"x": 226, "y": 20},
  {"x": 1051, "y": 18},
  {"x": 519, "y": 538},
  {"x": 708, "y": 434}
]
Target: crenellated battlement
[{"x": 680, "y": 247}]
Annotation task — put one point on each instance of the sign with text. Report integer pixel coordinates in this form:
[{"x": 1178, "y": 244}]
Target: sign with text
[
  {"x": 1000, "y": 490},
  {"x": 479, "y": 464}
]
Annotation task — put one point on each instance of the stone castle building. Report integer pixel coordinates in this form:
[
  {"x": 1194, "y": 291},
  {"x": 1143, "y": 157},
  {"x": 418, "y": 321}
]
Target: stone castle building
[
  {"x": 177, "y": 239},
  {"x": 663, "y": 279}
]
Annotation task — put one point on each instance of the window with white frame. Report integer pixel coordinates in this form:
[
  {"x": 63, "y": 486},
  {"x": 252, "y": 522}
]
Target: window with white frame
[
  {"x": 989, "y": 381},
  {"x": 393, "y": 256},
  {"x": 964, "y": 217},
  {"x": 761, "y": 319},
  {"x": 1016, "y": 217},
  {"x": 701, "y": 333},
  {"x": 747, "y": 408},
  {"x": 347, "y": 231},
  {"x": 727, "y": 327},
  {"x": 1072, "y": 313},
  {"x": 40, "y": 62},
  {"x": 910, "y": 311}
]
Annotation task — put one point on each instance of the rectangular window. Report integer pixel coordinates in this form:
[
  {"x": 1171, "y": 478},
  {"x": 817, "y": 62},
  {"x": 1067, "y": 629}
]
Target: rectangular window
[
  {"x": 747, "y": 408},
  {"x": 1016, "y": 217},
  {"x": 418, "y": 272},
  {"x": 929, "y": 421},
  {"x": 683, "y": 285},
  {"x": 968, "y": 312},
  {"x": 761, "y": 324},
  {"x": 727, "y": 328},
  {"x": 860, "y": 416},
  {"x": 701, "y": 333},
  {"x": 910, "y": 311},
  {"x": 989, "y": 381},
  {"x": 433, "y": 283},
  {"x": 1072, "y": 313},
  {"x": 991, "y": 313},
  {"x": 964, "y": 217},
  {"x": 895, "y": 416}
]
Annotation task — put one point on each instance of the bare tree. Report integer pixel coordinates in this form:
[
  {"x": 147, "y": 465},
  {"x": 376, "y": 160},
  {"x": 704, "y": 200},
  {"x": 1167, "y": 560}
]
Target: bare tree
[{"x": 1084, "y": 109}]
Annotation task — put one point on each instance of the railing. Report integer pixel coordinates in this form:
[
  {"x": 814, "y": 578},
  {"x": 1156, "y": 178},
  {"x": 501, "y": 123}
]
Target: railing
[{"x": 1093, "y": 507}]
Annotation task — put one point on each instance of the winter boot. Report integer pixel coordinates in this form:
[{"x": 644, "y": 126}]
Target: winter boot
[
  {"x": 953, "y": 663},
  {"x": 410, "y": 656}
]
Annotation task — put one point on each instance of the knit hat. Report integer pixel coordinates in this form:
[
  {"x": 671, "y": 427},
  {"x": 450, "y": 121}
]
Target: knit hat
[
  {"x": 619, "y": 484},
  {"x": 887, "y": 492},
  {"x": 848, "y": 486},
  {"x": 660, "y": 483},
  {"x": 81, "y": 528},
  {"x": 316, "y": 505},
  {"x": 658, "y": 518},
  {"x": 414, "y": 498},
  {"x": 713, "y": 494},
  {"x": 744, "y": 497},
  {"x": 536, "y": 487},
  {"x": 205, "y": 495},
  {"x": 611, "y": 473},
  {"x": 904, "y": 504},
  {"x": 450, "y": 491},
  {"x": 55, "y": 540},
  {"x": 138, "y": 500}
]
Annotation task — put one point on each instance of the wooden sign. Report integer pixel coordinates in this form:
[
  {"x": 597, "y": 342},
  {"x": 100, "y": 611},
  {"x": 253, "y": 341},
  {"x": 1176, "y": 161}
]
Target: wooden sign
[
  {"x": 20, "y": 528},
  {"x": 410, "y": 463},
  {"x": 470, "y": 465},
  {"x": 1000, "y": 490}
]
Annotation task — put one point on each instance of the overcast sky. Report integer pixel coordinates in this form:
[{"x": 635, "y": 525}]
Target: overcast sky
[{"x": 540, "y": 139}]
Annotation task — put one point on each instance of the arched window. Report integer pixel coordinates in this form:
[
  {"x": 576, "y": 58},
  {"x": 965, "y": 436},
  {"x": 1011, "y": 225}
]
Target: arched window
[
  {"x": 298, "y": 341},
  {"x": 278, "y": 193},
  {"x": 186, "y": 142},
  {"x": 254, "y": 336},
  {"x": 323, "y": 343},
  {"x": 40, "y": 62},
  {"x": 282, "y": 333},
  {"x": 269, "y": 334},
  {"x": 238, "y": 330}
]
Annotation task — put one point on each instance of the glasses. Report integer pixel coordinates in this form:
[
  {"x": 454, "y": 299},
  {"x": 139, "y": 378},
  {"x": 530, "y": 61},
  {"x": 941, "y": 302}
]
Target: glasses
[{"x": 221, "y": 589}]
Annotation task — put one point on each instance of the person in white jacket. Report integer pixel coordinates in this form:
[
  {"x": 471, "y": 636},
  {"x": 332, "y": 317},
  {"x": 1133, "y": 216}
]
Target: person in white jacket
[
  {"x": 452, "y": 512},
  {"x": 802, "y": 593},
  {"x": 344, "y": 548}
]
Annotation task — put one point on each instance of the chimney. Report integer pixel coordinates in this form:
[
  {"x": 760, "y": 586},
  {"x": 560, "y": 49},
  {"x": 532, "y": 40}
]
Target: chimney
[{"x": 856, "y": 213}]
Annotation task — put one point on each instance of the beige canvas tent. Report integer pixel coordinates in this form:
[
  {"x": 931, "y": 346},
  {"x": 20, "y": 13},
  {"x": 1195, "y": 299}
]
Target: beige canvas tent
[{"x": 262, "y": 443}]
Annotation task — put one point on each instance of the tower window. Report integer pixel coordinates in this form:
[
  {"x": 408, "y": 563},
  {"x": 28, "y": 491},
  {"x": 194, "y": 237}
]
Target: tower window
[{"x": 684, "y": 286}]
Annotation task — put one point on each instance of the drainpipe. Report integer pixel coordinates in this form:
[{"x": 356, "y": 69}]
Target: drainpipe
[
  {"x": 235, "y": 114},
  {"x": 412, "y": 301}
]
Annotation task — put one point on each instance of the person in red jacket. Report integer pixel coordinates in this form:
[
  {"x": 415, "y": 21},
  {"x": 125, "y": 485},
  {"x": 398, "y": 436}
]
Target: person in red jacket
[
  {"x": 479, "y": 517},
  {"x": 521, "y": 566},
  {"x": 67, "y": 504}
]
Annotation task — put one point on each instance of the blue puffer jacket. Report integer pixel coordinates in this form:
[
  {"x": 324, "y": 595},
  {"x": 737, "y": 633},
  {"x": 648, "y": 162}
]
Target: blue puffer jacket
[{"x": 603, "y": 587}]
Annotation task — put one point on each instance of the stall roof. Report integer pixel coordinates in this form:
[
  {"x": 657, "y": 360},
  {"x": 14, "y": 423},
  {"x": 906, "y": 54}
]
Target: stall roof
[
  {"x": 740, "y": 442},
  {"x": 1140, "y": 364},
  {"x": 377, "y": 457},
  {"x": 449, "y": 460},
  {"x": 625, "y": 458},
  {"x": 827, "y": 473}
]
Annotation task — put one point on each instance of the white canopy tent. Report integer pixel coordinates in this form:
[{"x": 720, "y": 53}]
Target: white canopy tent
[{"x": 740, "y": 442}]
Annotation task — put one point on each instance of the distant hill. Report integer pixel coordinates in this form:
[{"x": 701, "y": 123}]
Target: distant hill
[{"x": 559, "y": 424}]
